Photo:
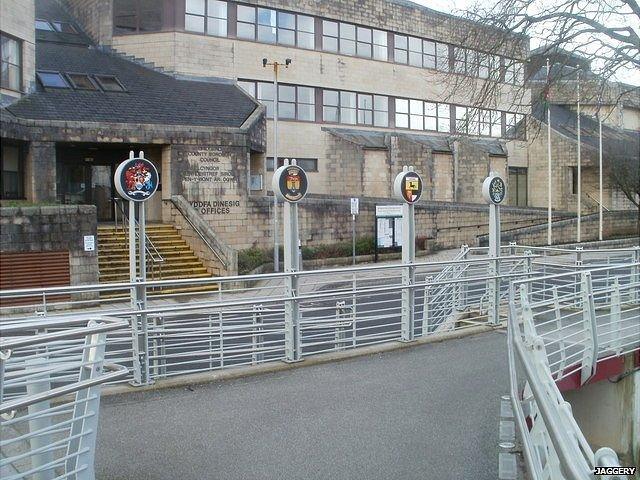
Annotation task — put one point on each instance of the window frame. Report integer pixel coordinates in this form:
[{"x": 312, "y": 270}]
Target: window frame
[
  {"x": 514, "y": 190},
  {"x": 19, "y": 65},
  {"x": 73, "y": 84},
  {"x": 60, "y": 74},
  {"x": 47, "y": 22},
  {"x": 57, "y": 26},
  {"x": 21, "y": 194},
  {"x": 97, "y": 77},
  {"x": 137, "y": 16},
  {"x": 424, "y": 113}
]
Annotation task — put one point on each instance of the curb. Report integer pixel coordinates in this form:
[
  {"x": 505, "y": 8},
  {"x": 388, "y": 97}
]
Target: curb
[{"x": 280, "y": 366}]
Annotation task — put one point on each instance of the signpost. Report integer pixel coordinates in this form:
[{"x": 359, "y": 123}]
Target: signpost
[
  {"x": 407, "y": 187},
  {"x": 290, "y": 184},
  {"x": 355, "y": 210},
  {"x": 136, "y": 180},
  {"x": 494, "y": 191}
]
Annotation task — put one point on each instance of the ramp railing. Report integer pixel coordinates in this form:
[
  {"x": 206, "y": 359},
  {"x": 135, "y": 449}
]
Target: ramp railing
[
  {"x": 561, "y": 325},
  {"x": 50, "y": 377}
]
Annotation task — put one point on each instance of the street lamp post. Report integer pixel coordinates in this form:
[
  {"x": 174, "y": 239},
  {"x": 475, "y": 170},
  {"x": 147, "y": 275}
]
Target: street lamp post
[{"x": 276, "y": 66}]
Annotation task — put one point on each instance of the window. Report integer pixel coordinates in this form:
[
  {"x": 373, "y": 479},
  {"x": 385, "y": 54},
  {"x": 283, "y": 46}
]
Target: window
[
  {"x": 11, "y": 54},
  {"x": 420, "y": 115},
  {"x": 64, "y": 27},
  {"x": 81, "y": 81},
  {"x": 305, "y": 33},
  {"x": 286, "y": 28},
  {"x": 249, "y": 87},
  {"x": 515, "y": 126},
  {"x": 365, "y": 109},
  {"x": 307, "y": 164},
  {"x": 329, "y": 36},
  {"x": 348, "y": 107},
  {"x": 347, "y": 39},
  {"x": 267, "y": 25},
  {"x": 52, "y": 80},
  {"x": 136, "y": 16},
  {"x": 380, "y": 45},
  {"x": 109, "y": 83},
  {"x": 518, "y": 187},
  {"x": 380, "y": 111},
  {"x": 513, "y": 72},
  {"x": 496, "y": 124},
  {"x": 468, "y": 120},
  {"x": 330, "y": 106},
  {"x": 293, "y": 102},
  {"x": 401, "y": 49},
  {"x": 442, "y": 57},
  {"x": 365, "y": 42},
  {"x": 208, "y": 16},
  {"x": 574, "y": 180},
  {"x": 12, "y": 172},
  {"x": 246, "y": 26},
  {"x": 43, "y": 25}
]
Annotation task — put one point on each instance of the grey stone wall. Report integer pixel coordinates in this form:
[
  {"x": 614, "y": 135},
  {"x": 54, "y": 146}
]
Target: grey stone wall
[{"x": 51, "y": 229}]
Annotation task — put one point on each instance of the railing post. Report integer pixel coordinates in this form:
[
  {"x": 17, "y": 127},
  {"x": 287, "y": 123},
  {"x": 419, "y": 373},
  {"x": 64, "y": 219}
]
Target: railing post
[
  {"x": 590, "y": 354},
  {"x": 354, "y": 328},
  {"x": 81, "y": 450},
  {"x": 140, "y": 339},
  {"x": 635, "y": 276},
  {"x": 341, "y": 324},
  {"x": 461, "y": 286},
  {"x": 39, "y": 384},
  {"x": 425, "y": 308},
  {"x": 292, "y": 306},
  {"x": 256, "y": 337},
  {"x": 408, "y": 273},
  {"x": 561, "y": 344},
  {"x": 615, "y": 319}
]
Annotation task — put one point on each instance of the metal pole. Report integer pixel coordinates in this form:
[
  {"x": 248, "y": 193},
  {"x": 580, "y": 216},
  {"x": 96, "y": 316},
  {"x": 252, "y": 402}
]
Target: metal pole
[
  {"x": 579, "y": 165},
  {"x": 549, "y": 241},
  {"x": 292, "y": 307},
  {"x": 353, "y": 238},
  {"x": 40, "y": 421},
  {"x": 494, "y": 253},
  {"x": 408, "y": 271},
  {"x": 600, "y": 174},
  {"x": 132, "y": 249},
  {"x": 276, "y": 250}
]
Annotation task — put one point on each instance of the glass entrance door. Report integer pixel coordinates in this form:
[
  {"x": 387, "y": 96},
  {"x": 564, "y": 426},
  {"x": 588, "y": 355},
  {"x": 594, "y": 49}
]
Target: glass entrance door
[
  {"x": 87, "y": 184},
  {"x": 101, "y": 191}
]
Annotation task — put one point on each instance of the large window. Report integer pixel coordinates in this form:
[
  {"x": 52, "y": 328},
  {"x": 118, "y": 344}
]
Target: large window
[
  {"x": 11, "y": 54},
  {"x": 476, "y": 121},
  {"x": 294, "y": 102},
  {"x": 137, "y": 16},
  {"x": 355, "y": 108},
  {"x": 345, "y": 38},
  {"x": 307, "y": 164},
  {"x": 274, "y": 26},
  {"x": 12, "y": 172},
  {"x": 515, "y": 126},
  {"x": 518, "y": 187},
  {"x": 421, "y": 115},
  {"x": 421, "y": 53},
  {"x": 208, "y": 16},
  {"x": 513, "y": 72}
]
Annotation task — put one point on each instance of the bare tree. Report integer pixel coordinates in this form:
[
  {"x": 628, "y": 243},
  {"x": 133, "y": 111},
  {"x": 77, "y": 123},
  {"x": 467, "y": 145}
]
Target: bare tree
[{"x": 624, "y": 173}]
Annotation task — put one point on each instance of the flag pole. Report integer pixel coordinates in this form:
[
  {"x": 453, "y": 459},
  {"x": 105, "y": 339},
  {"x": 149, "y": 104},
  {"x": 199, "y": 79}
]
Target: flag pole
[
  {"x": 548, "y": 157},
  {"x": 579, "y": 164},
  {"x": 600, "y": 167}
]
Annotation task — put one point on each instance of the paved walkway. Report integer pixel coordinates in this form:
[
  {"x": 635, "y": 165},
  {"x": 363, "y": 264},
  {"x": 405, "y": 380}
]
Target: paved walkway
[{"x": 427, "y": 412}]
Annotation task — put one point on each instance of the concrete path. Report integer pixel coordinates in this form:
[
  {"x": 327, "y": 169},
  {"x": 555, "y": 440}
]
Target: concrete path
[{"x": 428, "y": 412}]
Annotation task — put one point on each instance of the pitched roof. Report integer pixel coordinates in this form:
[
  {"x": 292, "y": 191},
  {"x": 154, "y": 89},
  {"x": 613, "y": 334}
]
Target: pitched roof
[
  {"x": 151, "y": 97},
  {"x": 615, "y": 141}
]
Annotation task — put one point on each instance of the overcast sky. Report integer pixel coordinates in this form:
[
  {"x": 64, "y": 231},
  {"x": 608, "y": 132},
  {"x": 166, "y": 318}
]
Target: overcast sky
[{"x": 457, "y": 6}]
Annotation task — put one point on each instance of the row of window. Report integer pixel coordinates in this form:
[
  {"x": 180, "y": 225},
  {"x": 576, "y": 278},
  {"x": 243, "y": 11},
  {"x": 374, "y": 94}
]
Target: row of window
[
  {"x": 55, "y": 26},
  {"x": 307, "y": 164},
  {"x": 80, "y": 81},
  {"x": 296, "y": 30},
  {"x": 355, "y": 108},
  {"x": 11, "y": 54}
]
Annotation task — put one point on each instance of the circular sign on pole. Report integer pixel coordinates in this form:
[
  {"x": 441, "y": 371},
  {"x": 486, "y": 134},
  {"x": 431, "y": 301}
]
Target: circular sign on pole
[
  {"x": 494, "y": 189},
  {"x": 290, "y": 183},
  {"x": 408, "y": 187},
  {"x": 136, "y": 179}
]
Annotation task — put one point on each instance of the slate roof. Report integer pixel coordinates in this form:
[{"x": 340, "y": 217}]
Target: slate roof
[
  {"x": 151, "y": 97},
  {"x": 375, "y": 139},
  {"x": 615, "y": 141}
]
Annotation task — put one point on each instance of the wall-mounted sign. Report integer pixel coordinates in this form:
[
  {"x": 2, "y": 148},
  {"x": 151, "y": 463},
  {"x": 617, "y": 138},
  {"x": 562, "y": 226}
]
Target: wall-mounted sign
[
  {"x": 494, "y": 189},
  {"x": 388, "y": 211},
  {"x": 290, "y": 183},
  {"x": 355, "y": 206},
  {"x": 136, "y": 179},
  {"x": 89, "y": 243},
  {"x": 408, "y": 187}
]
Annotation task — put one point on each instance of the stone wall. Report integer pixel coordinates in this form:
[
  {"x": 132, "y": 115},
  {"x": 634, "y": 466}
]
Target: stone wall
[
  {"x": 614, "y": 224},
  {"x": 52, "y": 229},
  {"x": 95, "y": 16}
]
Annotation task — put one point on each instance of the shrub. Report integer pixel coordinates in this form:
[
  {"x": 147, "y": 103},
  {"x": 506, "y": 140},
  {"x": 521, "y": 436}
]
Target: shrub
[{"x": 250, "y": 259}]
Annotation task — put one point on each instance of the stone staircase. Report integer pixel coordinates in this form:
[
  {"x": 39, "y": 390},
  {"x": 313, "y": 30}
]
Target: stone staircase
[{"x": 178, "y": 260}]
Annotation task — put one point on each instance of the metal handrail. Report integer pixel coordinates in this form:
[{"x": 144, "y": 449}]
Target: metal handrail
[
  {"x": 149, "y": 245},
  {"x": 202, "y": 237},
  {"x": 596, "y": 201}
]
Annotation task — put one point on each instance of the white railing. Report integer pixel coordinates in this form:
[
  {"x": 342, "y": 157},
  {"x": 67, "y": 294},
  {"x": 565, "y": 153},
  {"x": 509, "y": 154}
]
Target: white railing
[
  {"x": 50, "y": 377},
  {"x": 562, "y": 325}
]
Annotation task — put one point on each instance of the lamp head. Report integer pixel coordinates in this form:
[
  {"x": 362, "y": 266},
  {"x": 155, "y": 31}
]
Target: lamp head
[
  {"x": 264, "y": 62},
  {"x": 287, "y": 62}
]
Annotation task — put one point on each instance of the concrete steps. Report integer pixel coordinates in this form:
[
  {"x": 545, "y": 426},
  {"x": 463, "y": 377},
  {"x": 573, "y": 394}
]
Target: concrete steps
[{"x": 179, "y": 261}]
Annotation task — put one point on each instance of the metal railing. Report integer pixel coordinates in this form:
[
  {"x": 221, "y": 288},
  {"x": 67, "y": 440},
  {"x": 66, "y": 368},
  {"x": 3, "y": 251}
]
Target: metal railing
[
  {"x": 562, "y": 325},
  {"x": 152, "y": 253},
  {"x": 50, "y": 377}
]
